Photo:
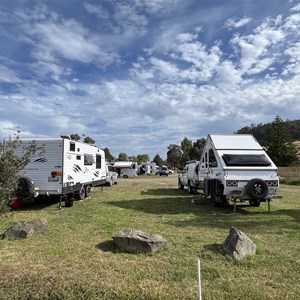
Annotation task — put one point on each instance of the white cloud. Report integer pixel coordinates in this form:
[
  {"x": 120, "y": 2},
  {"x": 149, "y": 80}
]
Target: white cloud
[
  {"x": 227, "y": 74},
  {"x": 9, "y": 76},
  {"x": 296, "y": 8},
  {"x": 98, "y": 10},
  {"x": 237, "y": 23},
  {"x": 54, "y": 38},
  {"x": 258, "y": 46}
]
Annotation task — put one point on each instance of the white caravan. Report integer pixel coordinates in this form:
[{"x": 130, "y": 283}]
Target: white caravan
[
  {"x": 126, "y": 169},
  {"x": 236, "y": 167},
  {"x": 66, "y": 167}
]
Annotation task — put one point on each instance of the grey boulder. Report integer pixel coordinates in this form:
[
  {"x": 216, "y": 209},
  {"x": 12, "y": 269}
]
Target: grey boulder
[
  {"x": 137, "y": 241},
  {"x": 238, "y": 245},
  {"x": 25, "y": 229}
]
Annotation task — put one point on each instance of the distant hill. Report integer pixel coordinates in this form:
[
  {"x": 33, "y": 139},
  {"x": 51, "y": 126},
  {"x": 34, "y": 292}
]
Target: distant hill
[{"x": 261, "y": 131}]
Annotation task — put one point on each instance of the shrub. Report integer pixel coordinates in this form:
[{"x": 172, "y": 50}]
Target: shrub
[{"x": 11, "y": 167}]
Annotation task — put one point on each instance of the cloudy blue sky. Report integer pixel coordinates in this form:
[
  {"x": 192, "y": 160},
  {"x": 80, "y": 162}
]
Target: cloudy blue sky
[{"x": 138, "y": 75}]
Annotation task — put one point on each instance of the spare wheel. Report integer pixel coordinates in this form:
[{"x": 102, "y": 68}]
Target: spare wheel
[
  {"x": 256, "y": 188},
  {"x": 25, "y": 187}
]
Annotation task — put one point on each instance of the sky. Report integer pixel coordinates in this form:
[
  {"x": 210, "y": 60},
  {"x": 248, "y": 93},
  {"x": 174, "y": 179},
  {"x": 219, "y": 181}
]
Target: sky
[{"x": 139, "y": 75}]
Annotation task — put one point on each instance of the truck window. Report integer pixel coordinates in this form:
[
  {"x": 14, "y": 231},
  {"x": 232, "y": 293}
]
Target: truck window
[
  {"x": 98, "y": 162},
  {"x": 88, "y": 159},
  {"x": 246, "y": 160}
]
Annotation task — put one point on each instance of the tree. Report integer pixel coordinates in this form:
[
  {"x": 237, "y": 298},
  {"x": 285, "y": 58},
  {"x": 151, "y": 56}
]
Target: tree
[
  {"x": 75, "y": 137},
  {"x": 11, "y": 169},
  {"x": 142, "y": 158},
  {"x": 174, "y": 155},
  {"x": 89, "y": 140},
  {"x": 123, "y": 156},
  {"x": 196, "y": 151},
  {"x": 186, "y": 147},
  {"x": 279, "y": 144},
  {"x": 108, "y": 156},
  {"x": 158, "y": 160}
]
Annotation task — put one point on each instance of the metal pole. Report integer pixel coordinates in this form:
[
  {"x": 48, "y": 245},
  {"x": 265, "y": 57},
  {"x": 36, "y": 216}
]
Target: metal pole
[{"x": 199, "y": 279}]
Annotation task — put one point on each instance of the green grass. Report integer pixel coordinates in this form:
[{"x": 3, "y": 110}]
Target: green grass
[
  {"x": 292, "y": 180},
  {"x": 77, "y": 259}
]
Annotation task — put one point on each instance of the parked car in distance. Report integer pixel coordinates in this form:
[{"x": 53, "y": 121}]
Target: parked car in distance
[{"x": 164, "y": 171}]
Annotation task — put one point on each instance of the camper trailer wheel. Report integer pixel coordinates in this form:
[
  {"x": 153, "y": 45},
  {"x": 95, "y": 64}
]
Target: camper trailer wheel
[
  {"x": 88, "y": 191},
  {"x": 81, "y": 193},
  {"x": 257, "y": 189}
]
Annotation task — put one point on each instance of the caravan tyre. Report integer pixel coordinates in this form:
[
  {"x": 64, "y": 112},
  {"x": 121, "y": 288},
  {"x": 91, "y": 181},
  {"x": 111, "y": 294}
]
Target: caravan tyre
[
  {"x": 25, "y": 187},
  {"x": 88, "y": 191},
  {"x": 257, "y": 189},
  {"x": 81, "y": 193}
]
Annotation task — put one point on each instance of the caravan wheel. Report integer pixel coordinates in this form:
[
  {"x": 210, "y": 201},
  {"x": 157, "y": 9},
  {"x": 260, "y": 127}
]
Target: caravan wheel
[
  {"x": 88, "y": 191},
  {"x": 81, "y": 193},
  {"x": 257, "y": 189}
]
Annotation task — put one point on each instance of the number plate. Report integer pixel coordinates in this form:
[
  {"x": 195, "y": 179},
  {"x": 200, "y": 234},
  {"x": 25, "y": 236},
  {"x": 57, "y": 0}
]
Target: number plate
[{"x": 53, "y": 179}]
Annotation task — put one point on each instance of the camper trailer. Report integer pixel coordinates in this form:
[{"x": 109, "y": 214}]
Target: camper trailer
[
  {"x": 126, "y": 169},
  {"x": 66, "y": 167},
  {"x": 236, "y": 167}
]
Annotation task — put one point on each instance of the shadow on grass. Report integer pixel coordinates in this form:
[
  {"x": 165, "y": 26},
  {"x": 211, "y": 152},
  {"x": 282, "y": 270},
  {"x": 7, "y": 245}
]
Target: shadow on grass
[
  {"x": 207, "y": 215},
  {"x": 108, "y": 246},
  {"x": 214, "y": 248},
  {"x": 175, "y": 205},
  {"x": 40, "y": 203},
  {"x": 165, "y": 192}
]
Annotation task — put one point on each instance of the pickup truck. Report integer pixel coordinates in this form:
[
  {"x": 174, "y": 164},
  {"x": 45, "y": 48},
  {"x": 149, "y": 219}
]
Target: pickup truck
[
  {"x": 188, "y": 177},
  {"x": 111, "y": 176}
]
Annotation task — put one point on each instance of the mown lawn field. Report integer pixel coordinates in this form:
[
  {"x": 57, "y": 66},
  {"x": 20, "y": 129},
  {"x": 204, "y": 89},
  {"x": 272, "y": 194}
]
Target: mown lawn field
[{"x": 77, "y": 259}]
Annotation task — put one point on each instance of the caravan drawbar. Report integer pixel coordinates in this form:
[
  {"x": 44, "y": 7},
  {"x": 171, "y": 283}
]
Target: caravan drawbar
[{"x": 65, "y": 167}]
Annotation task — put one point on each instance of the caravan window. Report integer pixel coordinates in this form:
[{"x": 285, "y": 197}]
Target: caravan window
[
  {"x": 212, "y": 159},
  {"x": 98, "y": 161},
  {"x": 72, "y": 146},
  {"x": 246, "y": 160},
  {"x": 88, "y": 159}
]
